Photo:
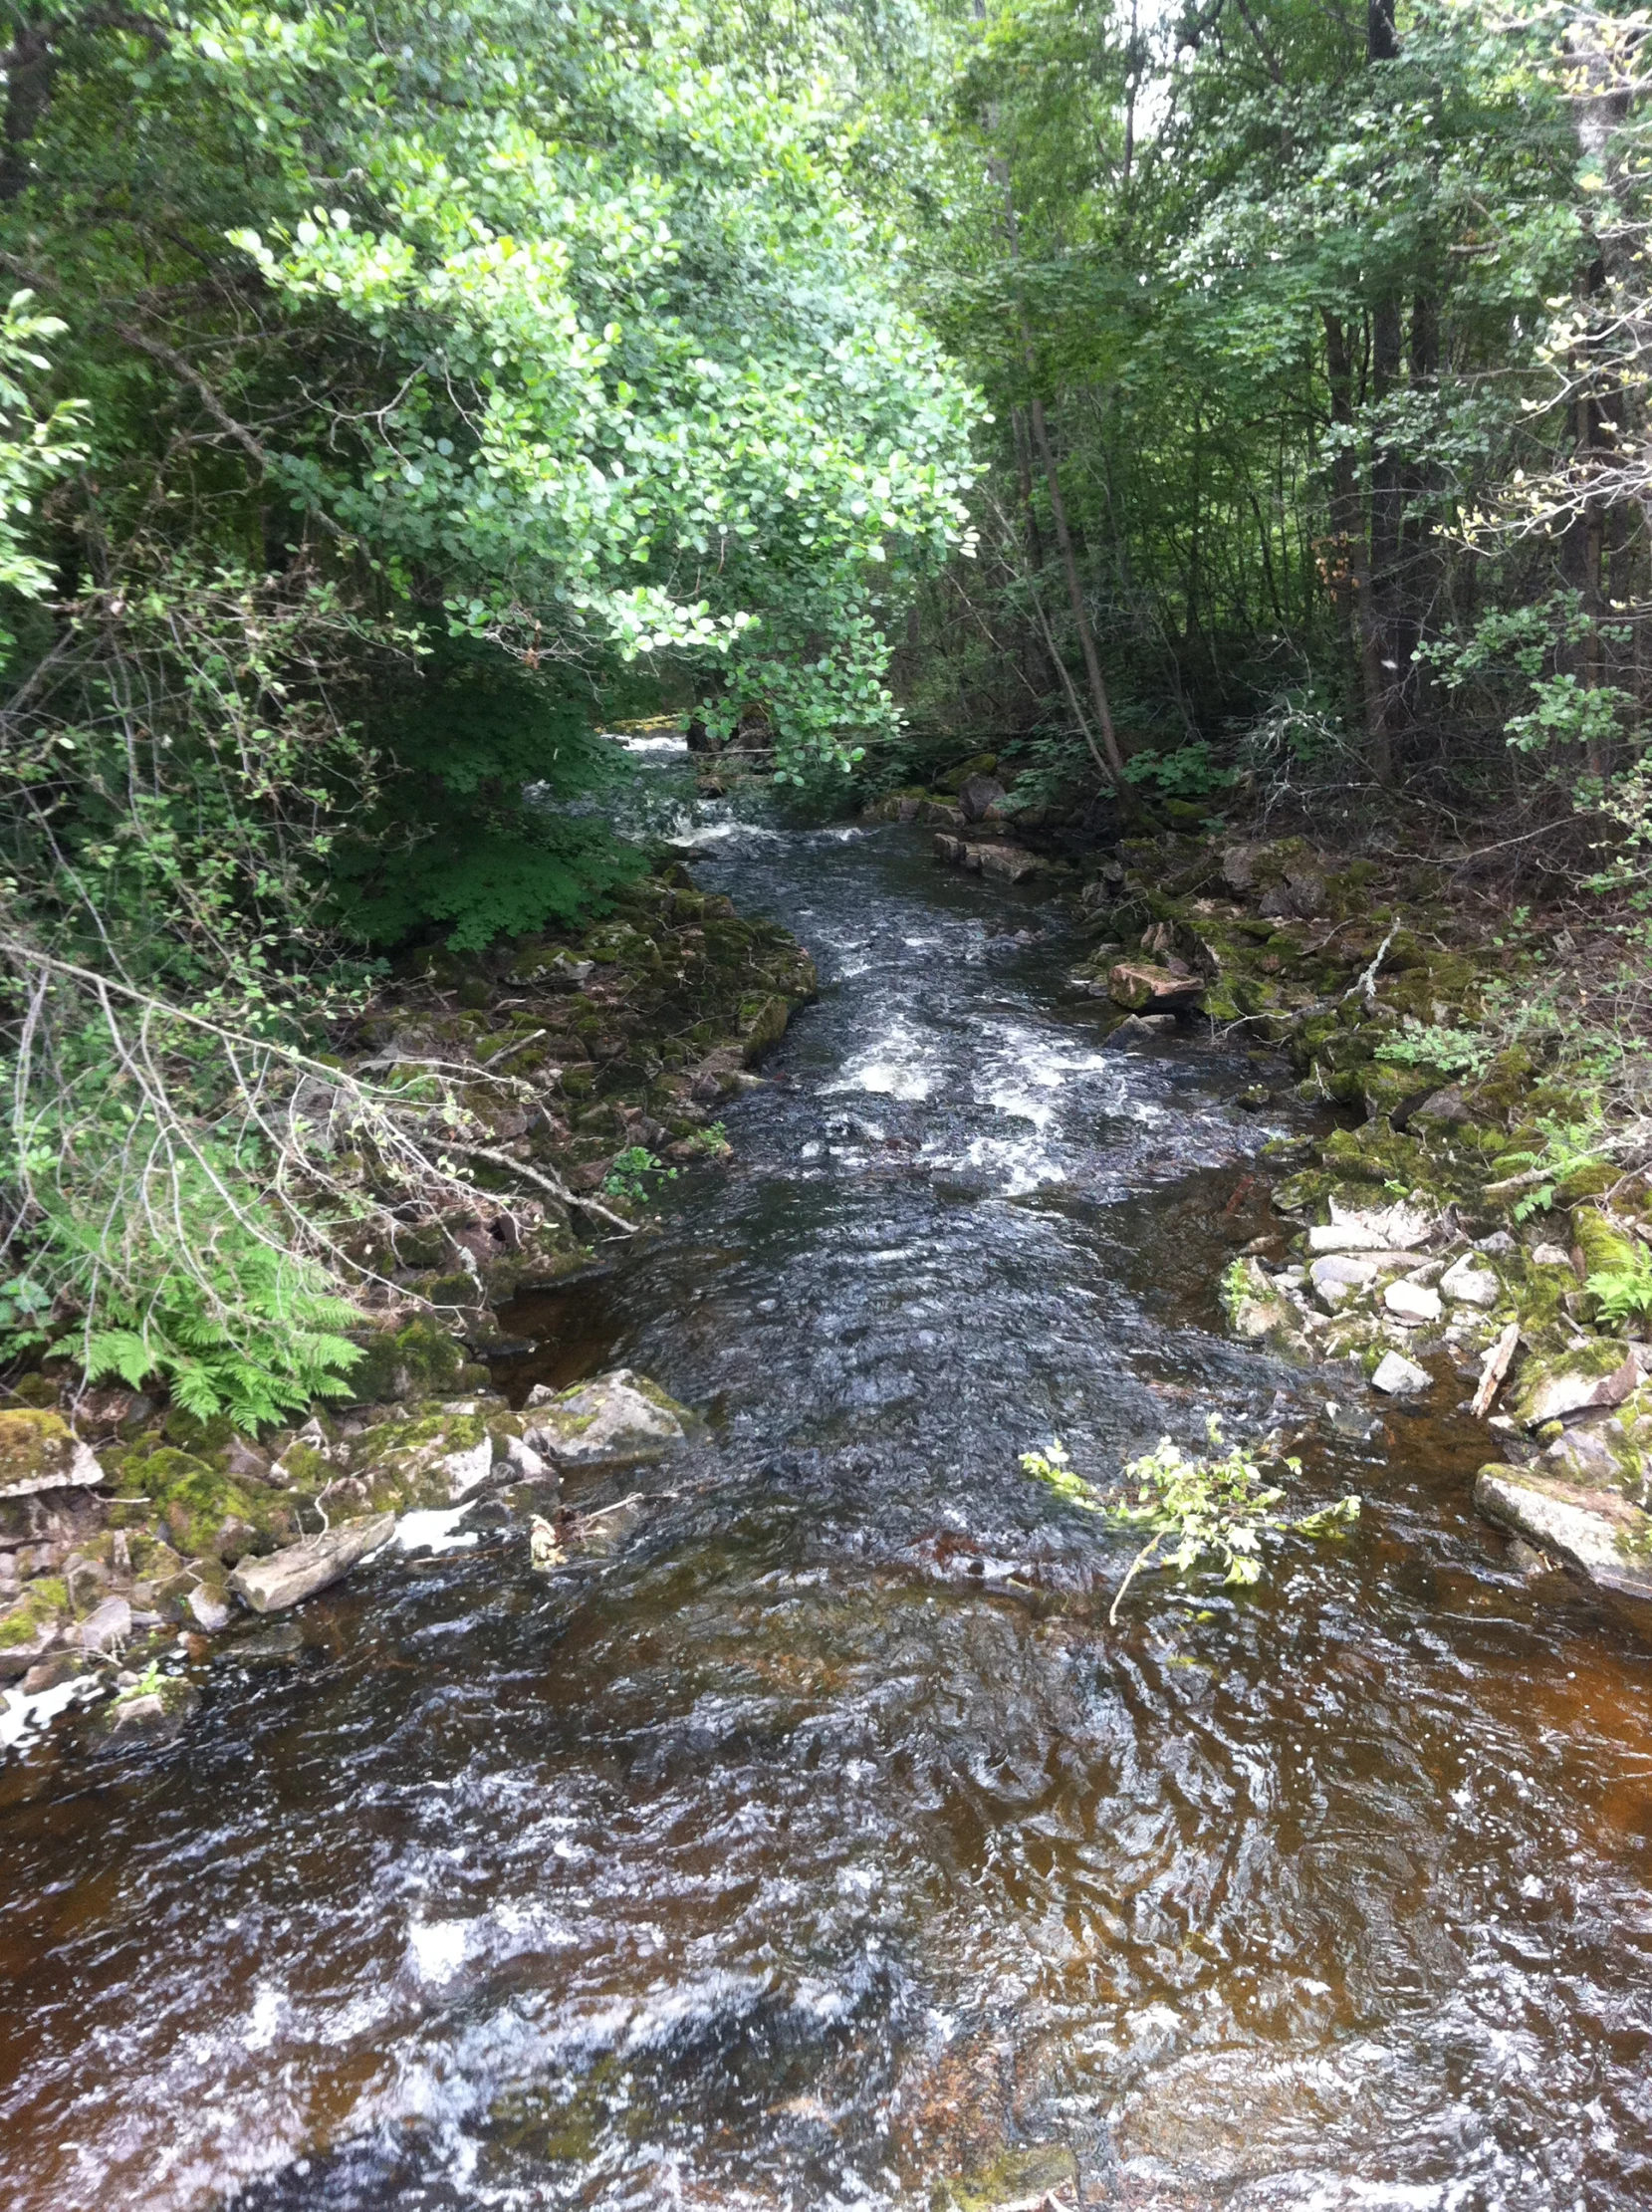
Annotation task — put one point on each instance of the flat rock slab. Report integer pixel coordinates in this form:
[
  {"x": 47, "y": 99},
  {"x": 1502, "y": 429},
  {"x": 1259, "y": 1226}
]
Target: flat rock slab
[
  {"x": 1471, "y": 1285},
  {"x": 1412, "y": 1303},
  {"x": 284, "y": 1579},
  {"x": 106, "y": 1628},
  {"x": 40, "y": 1452},
  {"x": 1338, "y": 1277},
  {"x": 1576, "y": 1384},
  {"x": 616, "y": 1419},
  {"x": 1597, "y": 1532},
  {"x": 1147, "y": 989},
  {"x": 1400, "y": 1378}
]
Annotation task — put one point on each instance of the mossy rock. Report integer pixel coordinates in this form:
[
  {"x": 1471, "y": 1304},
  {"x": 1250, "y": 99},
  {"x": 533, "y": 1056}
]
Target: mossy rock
[
  {"x": 1549, "y": 1388},
  {"x": 44, "y": 1602},
  {"x": 1300, "y": 1193},
  {"x": 417, "y": 1360},
  {"x": 1375, "y": 1153},
  {"x": 40, "y": 1452},
  {"x": 1014, "y": 2177},
  {"x": 1389, "y": 1089},
  {"x": 953, "y": 779},
  {"x": 1588, "y": 1182},
  {"x": 762, "y": 1024},
  {"x": 204, "y": 1511},
  {"x": 1505, "y": 1086}
]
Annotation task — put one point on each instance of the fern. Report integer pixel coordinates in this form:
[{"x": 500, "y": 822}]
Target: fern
[
  {"x": 257, "y": 1346},
  {"x": 1623, "y": 1294}
]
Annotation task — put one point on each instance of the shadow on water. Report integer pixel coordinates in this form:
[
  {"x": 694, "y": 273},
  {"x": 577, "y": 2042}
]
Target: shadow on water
[{"x": 824, "y": 1841}]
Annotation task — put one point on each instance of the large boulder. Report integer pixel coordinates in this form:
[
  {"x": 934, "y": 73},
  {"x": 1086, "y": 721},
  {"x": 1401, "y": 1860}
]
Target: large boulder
[
  {"x": 1598, "y": 1532},
  {"x": 618, "y": 1419},
  {"x": 40, "y": 1452},
  {"x": 1597, "y": 1373},
  {"x": 283, "y": 1579},
  {"x": 1010, "y": 863},
  {"x": 978, "y": 794}
]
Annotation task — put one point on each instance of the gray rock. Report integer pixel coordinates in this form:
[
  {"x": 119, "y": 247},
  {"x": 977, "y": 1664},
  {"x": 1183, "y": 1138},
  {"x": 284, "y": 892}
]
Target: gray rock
[
  {"x": 469, "y": 1469},
  {"x": 1446, "y": 1106},
  {"x": 978, "y": 794},
  {"x": 1400, "y": 1378},
  {"x": 105, "y": 1629},
  {"x": 1597, "y": 1532},
  {"x": 616, "y": 1419},
  {"x": 526, "y": 1464},
  {"x": 1308, "y": 891},
  {"x": 1012, "y": 863},
  {"x": 155, "y": 1718},
  {"x": 1551, "y": 1255},
  {"x": 39, "y": 1451},
  {"x": 207, "y": 1610},
  {"x": 1238, "y": 868},
  {"x": 1499, "y": 1244},
  {"x": 277, "y": 1646},
  {"x": 1345, "y": 1236},
  {"x": 1471, "y": 1285},
  {"x": 1412, "y": 1303},
  {"x": 1338, "y": 1277},
  {"x": 1550, "y": 1392},
  {"x": 286, "y": 1577}
]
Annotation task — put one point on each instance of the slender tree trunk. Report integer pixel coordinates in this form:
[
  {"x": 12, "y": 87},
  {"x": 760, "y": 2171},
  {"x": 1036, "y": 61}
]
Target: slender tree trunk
[
  {"x": 1354, "y": 587},
  {"x": 1381, "y": 655},
  {"x": 1110, "y": 760},
  {"x": 1115, "y": 761}
]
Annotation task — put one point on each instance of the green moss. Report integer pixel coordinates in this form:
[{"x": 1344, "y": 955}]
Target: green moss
[
  {"x": 1502, "y": 1090},
  {"x": 33, "y": 1442},
  {"x": 1588, "y": 1182},
  {"x": 417, "y": 1360},
  {"x": 204, "y": 1513},
  {"x": 45, "y": 1598}
]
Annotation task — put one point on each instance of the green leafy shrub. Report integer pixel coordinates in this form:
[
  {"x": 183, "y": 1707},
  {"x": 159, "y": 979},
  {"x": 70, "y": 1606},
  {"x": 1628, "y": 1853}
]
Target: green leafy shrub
[
  {"x": 1215, "y": 1506},
  {"x": 483, "y": 820},
  {"x": 629, "y": 1175}
]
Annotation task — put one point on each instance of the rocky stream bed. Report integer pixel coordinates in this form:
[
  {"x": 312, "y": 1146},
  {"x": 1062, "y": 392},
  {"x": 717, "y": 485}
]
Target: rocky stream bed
[{"x": 655, "y": 1746}]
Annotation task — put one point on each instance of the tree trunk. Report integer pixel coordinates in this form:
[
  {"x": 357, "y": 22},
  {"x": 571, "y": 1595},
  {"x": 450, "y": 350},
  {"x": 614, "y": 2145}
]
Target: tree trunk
[{"x": 1353, "y": 587}]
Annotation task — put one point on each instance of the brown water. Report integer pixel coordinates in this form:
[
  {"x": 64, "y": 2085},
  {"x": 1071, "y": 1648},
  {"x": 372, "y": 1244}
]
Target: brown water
[{"x": 824, "y": 1841}]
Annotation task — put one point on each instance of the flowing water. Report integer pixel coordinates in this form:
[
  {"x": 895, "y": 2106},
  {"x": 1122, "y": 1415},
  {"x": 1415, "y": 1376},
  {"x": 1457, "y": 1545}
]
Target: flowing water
[{"x": 824, "y": 1841}]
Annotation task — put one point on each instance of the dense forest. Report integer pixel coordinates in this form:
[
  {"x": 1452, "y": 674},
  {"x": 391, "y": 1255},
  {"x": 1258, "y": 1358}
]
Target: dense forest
[{"x": 1237, "y": 409}]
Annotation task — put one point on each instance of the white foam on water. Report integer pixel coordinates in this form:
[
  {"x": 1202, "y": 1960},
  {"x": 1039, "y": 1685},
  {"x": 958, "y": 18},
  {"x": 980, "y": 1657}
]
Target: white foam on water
[
  {"x": 439, "y": 1947},
  {"x": 434, "y": 1529},
  {"x": 268, "y": 2005},
  {"x": 666, "y": 742},
  {"x": 898, "y": 1064},
  {"x": 20, "y": 1714},
  {"x": 697, "y": 835}
]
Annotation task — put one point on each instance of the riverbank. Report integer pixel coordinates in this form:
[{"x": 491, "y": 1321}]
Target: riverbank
[
  {"x": 587, "y": 1070},
  {"x": 1480, "y": 1219}
]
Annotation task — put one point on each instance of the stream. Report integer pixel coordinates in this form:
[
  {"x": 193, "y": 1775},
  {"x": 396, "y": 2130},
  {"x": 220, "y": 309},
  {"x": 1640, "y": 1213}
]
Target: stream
[{"x": 824, "y": 1841}]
